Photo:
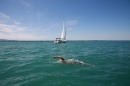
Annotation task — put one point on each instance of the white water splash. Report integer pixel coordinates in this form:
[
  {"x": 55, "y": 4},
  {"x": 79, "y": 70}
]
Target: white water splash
[{"x": 73, "y": 61}]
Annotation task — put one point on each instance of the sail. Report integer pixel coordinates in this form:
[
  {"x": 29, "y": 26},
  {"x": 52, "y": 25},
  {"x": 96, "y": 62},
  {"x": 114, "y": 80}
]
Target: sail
[
  {"x": 62, "y": 38},
  {"x": 63, "y": 34}
]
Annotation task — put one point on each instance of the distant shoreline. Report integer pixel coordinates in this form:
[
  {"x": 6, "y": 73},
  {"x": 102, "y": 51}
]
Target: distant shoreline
[{"x": 4, "y": 40}]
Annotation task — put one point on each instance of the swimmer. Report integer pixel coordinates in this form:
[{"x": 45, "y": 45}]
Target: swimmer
[{"x": 71, "y": 62}]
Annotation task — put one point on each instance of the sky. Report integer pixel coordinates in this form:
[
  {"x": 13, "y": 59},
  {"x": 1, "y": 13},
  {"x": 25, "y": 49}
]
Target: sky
[{"x": 84, "y": 19}]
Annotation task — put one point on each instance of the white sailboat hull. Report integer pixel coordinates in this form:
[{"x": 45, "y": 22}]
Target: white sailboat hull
[{"x": 59, "y": 41}]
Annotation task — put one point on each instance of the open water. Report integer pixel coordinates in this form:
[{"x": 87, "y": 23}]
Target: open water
[{"x": 31, "y": 63}]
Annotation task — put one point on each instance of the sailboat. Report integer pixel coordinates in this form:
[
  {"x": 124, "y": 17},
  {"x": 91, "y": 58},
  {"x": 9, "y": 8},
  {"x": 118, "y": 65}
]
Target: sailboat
[{"x": 62, "y": 39}]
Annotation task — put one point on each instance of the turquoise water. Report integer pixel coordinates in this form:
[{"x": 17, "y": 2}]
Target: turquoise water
[{"x": 31, "y": 63}]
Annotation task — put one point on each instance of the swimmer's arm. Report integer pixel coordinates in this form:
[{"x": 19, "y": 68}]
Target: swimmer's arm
[{"x": 59, "y": 58}]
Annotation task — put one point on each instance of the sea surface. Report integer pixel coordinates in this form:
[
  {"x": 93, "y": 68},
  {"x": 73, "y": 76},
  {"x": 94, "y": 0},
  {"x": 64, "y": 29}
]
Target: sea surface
[{"x": 31, "y": 63}]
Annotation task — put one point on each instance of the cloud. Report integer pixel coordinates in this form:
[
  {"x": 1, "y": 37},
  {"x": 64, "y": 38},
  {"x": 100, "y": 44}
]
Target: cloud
[
  {"x": 21, "y": 36},
  {"x": 72, "y": 22},
  {"x": 69, "y": 28},
  {"x": 16, "y": 22},
  {"x": 25, "y": 3},
  {"x": 50, "y": 27},
  {"x": 11, "y": 29},
  {"x": 6, "y": 19},
  {"x": 2, "y": 15}
]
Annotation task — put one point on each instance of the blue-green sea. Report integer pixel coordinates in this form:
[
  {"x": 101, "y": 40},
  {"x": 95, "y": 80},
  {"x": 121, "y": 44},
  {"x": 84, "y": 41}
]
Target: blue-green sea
[{"x": 31, "y": 63}]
